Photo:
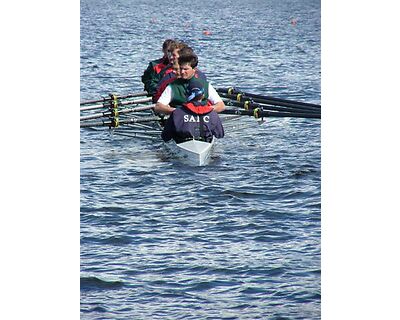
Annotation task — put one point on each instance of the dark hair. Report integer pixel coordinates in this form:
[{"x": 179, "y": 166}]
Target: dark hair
[
  {"x": 167, "y": 44},
  {"x": 186, "y": 51},
  {"x": 188, "y": 58},
  {"x": 177, "y": 45}
]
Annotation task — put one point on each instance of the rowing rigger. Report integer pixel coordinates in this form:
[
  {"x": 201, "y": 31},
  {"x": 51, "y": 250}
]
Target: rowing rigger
[{"x": 128, "y": 116}]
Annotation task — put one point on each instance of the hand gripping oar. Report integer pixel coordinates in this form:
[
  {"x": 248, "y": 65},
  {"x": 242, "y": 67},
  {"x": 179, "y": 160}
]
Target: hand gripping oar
[
  {"x": 236, "y": 94},
  {"x": 258, "y": 113},
  {"x": 112, "y": 97}
]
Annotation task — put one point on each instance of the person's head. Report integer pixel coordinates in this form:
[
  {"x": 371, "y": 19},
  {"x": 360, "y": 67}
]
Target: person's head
[
  {"x": 176, "y": 69},
  {"x": 187, "y": 65},
  {"x": 195, "y": 91},
  {"x": 186, "y": 51},
  {"x": 174, "y": 51},
  {"x": 166, "y": 46}
]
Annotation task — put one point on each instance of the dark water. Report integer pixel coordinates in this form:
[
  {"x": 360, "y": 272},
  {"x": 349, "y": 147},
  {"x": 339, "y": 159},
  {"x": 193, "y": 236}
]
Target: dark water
[{"x": 238, "y": 239}]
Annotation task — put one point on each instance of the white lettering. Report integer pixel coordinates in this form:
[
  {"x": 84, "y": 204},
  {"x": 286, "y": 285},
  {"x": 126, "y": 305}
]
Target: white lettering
[{"x": 191, "y": 118}]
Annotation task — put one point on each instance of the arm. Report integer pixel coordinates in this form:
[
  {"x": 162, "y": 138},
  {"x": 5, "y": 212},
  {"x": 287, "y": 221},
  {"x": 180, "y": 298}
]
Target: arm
[
  {"x": 162, "y": 105},
  {"x": 219, "y": 106},
  {"x": 163, "y": 108},
  {"x": 215, "y": 99}
]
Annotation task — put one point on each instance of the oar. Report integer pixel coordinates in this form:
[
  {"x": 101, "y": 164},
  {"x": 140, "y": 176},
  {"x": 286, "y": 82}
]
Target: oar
[
  {"x": 138, "y": 135},
  {"x": 257, "y": 113},
  {"x": 115, "y": 122},
  {"x": 266, "y": 99},
  {"x": 249, "y": 105},
  {"x": 112, "y": 113},
  {"x": 112, "y": 97},
  {"x": 118, "y": 103},
  {"x": 234, "y": 91},
  {"x": 244, "y": 98}
]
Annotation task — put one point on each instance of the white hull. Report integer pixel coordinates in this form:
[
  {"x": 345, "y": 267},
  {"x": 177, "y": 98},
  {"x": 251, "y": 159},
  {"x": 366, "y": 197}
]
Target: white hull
[{"x": 193, "y": 152}]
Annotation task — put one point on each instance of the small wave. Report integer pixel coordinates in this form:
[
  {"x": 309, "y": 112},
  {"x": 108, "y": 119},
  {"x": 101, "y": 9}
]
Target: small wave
[
  {"x": 118, "y": 240},
  {"x": 94, "y": 283},
  {"x": 240, "y": 195},
  {"x": 208, "y": 285},
  {"x": 253, "y": 290},
  {"x": 112, "y": 240},
  {"x": 98, "y": 309},
  {"x": 300, "y": 173}
]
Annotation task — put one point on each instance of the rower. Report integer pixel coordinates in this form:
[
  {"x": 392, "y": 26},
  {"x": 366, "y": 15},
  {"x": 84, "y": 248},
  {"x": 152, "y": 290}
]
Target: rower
[
  {"x": 166, "y": 80},
  {"x": 175, "y": 93},
  {"x": 149, "y": 77},
  {"x": 173, "y": 55},
  {"x": 196, "y": 119},
  {"x": 171, "y": 72}
]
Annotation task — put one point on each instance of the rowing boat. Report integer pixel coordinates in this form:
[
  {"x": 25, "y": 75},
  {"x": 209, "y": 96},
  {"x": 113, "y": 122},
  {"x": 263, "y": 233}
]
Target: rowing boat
[
  {"x": 193, "y": 152},
  {"x": 133, "y": 117}
]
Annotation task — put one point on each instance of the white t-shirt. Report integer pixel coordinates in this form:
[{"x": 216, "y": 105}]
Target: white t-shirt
[{"x": 166, "y": 96}]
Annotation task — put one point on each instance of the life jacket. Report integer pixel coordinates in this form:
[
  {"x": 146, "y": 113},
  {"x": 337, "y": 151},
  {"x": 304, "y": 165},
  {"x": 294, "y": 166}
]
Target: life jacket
[
  {"x": 165, "y": 70},
  {"x": 179, "y": 89},
  {"x": 198, "y": 107},
  {"x": 158, "y": 67},
  {"x": 199, "y": 74},
  {"x": 149, "y": 77},
  {"x": 162, "y": 84}
]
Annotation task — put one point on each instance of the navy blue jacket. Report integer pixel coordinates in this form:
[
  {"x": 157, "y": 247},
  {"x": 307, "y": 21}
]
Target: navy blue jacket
[{"x": 185, "y": 124}]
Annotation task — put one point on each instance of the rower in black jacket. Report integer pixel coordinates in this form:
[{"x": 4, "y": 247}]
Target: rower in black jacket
[{"x": 194, "y": 119}]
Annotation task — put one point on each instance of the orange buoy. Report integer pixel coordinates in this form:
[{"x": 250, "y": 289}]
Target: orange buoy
[{"x": 207, "y": 32}]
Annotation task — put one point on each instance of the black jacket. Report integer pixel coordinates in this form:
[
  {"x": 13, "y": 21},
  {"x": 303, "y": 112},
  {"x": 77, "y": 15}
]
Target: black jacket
[{"x": 193, "y": 120}]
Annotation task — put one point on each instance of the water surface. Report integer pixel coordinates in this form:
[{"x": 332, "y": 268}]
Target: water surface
[{"x": 238, "y": 239}]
